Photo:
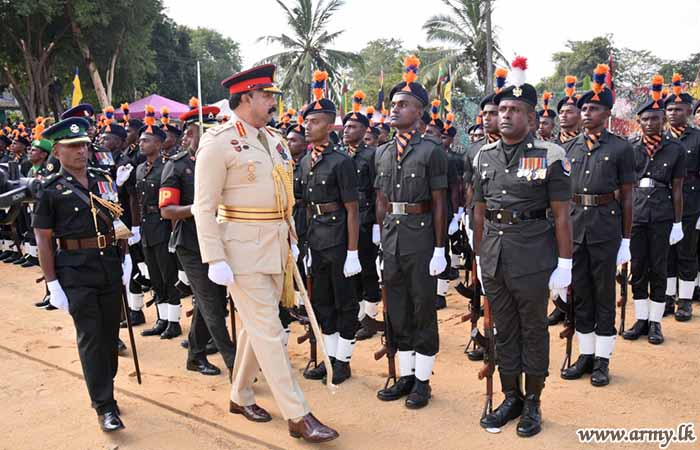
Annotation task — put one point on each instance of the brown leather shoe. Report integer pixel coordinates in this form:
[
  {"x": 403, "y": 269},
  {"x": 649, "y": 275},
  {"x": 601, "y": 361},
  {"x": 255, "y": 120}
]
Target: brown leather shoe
[
  {"x": 254, "y": 413},
  {"x": 311, "y": 430}
]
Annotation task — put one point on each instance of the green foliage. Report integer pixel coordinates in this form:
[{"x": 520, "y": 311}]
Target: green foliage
[{"x": 219, "y": 58}]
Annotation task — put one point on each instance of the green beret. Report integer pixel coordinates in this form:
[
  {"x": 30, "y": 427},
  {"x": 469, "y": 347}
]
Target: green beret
[{"x": 43, "y": 144}]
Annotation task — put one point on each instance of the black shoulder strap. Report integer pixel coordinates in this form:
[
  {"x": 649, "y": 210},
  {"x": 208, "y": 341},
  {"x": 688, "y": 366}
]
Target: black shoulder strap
[{"x": 84, "y": 198}]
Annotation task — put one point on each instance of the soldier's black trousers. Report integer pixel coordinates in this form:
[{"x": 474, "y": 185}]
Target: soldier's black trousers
[
  {"x": 162, "y": 268},
  {"x": 96, "y": 313},
  {"x": 209, "y": 318},
  {"x": 649, "y": 247},
  {"x": 593, "y": 282},
  {"x": 333, "y": 295},
  {"x": 683, "y": 257},
  {"x": 410, "y": 293},
  {"x": 367, "y": 282},
  {"x": 519, "y": 310}
]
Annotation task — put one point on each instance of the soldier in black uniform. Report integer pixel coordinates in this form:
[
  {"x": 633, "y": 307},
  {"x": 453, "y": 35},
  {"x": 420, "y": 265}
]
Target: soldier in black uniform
[
  {"x": 20, "y": 234},
  {"x": 683, "y": 257},
  {"x": 329, "y": 186},
  {"x": 456, "y": 160},
  {"x": 84, "y": 274},
  {"x": 601, "y": 163},
  {"x": 547, "y": 119},
  {"x": 658, "y": 212},
  {"x": 411, "y": 208},
  {"x": 516, "y": 180},
  {"x": 355, "y": 125},
  {"x": 372, "y": 135},
  {"x": 176, "y": 197},
  {"x": 172, "y": 135},
  {"x": 569, "y": 114},
  {"x": 4, "y": 145},
  {"x": 155, "y": 233}
]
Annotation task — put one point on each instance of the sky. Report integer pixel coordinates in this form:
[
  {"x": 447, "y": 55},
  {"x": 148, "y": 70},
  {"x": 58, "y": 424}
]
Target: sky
[{"x": 535, "y": 29}]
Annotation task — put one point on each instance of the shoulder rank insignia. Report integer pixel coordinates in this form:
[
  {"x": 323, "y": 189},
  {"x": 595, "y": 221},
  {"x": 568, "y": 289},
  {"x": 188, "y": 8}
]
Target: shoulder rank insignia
[
  {"x": 281, "y": 151},
  {"x": 240, "y": 129},
  {"x": 532, "y": 168}
]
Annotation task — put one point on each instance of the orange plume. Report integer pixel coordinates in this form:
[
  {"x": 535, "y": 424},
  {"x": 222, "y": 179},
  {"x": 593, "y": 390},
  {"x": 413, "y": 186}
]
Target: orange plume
[
  {"x": 357, "y": 98},
  {"x": 150, "y": 118},
  {"x": 570, "y": 81},
  {"x": 411, "y": 64},
  {"x": 193, "y": 102},
  {"x": 39, "y": 128},
  {"x": 291, "y": 112},
  {"x": 319, "y": 83},
  {"x": 165, "y": 116},
  {"x": 676, "y": 85}
]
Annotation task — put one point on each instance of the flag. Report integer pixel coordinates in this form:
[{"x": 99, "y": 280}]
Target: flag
[
  {"x": 77, "y": 92},
  {"x": 447, "y": 102},
  {"x": 380, "y": 94},
  {"x": 440, "y": 81},
  {"x": 609, "y": 76},
  {"x": 344, "y": 92}
]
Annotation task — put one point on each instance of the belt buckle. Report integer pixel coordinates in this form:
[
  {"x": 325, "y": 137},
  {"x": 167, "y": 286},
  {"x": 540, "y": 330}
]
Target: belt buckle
[
  {"x": 101, "y": 241},
  {"x": 588, "y": 200},
  {"x": 646, "y": 183},
  {"x": 398, "y": 208}
]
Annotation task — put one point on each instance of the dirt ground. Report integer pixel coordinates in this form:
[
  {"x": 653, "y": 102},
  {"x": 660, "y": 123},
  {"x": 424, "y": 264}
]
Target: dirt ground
[{"x": 44, "y": 403}]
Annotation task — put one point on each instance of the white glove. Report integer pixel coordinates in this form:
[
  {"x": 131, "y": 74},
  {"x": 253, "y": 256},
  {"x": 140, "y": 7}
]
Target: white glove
[
  {"x": 454, "y": 225},
  {"x": 676, "y": 233},
  {"x": 438, "y": 263},
  {"x": 307, "y": 260},
  {"x": 697, "y": 224},
  {"x": 143, "y": 268},
  {"x": 123, "y": 173},
  {"x": 379, "y": 263},
  {"x": 352, "y": 264},
  {"x": 58, "y": 297},
  {"x": 478, "y": 271},
  {"x": 376, "y": 234},
  {"x": 295, "y": 251},
  {"x": 136, "y": 235},
  {"x": 460, "y": 212},
  {"x": 561, "y": 277},
  {"x": 623, "y": 253},
  {"x": 220, "y": 273},
  {"x": 126, "y": 270}
]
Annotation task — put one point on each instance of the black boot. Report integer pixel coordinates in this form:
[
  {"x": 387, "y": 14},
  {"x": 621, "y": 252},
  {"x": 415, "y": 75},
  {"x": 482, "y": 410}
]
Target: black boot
[
  {"x": 670, "y": 304},
  {"x": 31, "y": 261},
  {"x": 512, "y": 404},
  {"x": 640, "y": 328},
  {"x": 203, "y": 366},
  {"x": 475, "y": 354},
  {"x": 656, "y": 337},
  {"x": 21, "y": 260},
  {"x": 531, "y": 419},
  {"x": 137, "y": 318},
  {"x": 556, "y": 316},
  {"x": 401, "y": 388},
  {"x": 158, "y": 328},
  {"x": 601, "y": 373},
  {"x": 341, "y": 371},
  {"x": 14, "y": 256},
  {"x": 184, "y": 289},
  {"x": 440, "y": 302},
  {"x": 318, "y": 372},
  {"x": 6, "y": 254},
  {"x": 368, "y": 328},
  {"x": 583, "y": 365},
  {"x": 696, "y": 291},
  {"x": 684, "y": 312},
  {"x": 44, "y": 302},
  {"x": 171, "y": 331},
  {"x": 420, "y": 395}
]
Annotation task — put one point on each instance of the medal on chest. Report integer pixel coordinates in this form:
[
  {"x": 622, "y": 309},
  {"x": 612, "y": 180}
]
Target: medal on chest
[
  {"x": 532, "y": 168},
  {"x": 104, "y": 158},
  {"x": 251, "y": 170},
  {"x": 108, "y": 191}
]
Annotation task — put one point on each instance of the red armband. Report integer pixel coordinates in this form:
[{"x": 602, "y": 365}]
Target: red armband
[{"x": 168, "y": 196}]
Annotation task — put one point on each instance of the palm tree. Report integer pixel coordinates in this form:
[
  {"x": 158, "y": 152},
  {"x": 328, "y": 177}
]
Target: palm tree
[
  {"x": 466, "y": 29},
  {"x": 306, "y": 48}
]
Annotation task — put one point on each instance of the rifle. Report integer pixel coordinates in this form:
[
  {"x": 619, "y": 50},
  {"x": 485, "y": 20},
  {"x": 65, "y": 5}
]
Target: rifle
[
  {"x": 569, "y": 324},
  {"x": 622, "y": 278},
  {"x": 473, "y": 351},
  {"x": 309, "y": 335},
  {"x": 388, "y": 347},
  {"x": 487, "y": 341},
  {"x": 125, "y": 304}
]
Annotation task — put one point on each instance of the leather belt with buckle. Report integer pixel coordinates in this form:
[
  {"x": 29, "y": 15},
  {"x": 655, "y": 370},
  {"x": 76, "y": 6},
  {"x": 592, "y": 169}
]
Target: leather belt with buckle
[
  {"x": 404, "y": 208},
  {"x": 324, "y": 208},
  {"x": 512, "y": 217},
  {"x": 593, "y": 199},
  {"x": 99, "y": 242}
]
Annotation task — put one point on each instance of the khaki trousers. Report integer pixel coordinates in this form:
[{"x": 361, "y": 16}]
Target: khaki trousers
[{"x": 260, "y": 345}]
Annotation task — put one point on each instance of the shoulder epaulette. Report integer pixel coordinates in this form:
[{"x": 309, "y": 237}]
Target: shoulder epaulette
[
  {"x": 554, "y": 152},
  {"x": 179, "y": 155},
  {"x": 431, "y": 138},
  {"x": 490, "y": 146},
  {"x": 220, "y": 128}
]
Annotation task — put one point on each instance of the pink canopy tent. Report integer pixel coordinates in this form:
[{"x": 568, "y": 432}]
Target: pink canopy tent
[{"x": 137, "y": 108}]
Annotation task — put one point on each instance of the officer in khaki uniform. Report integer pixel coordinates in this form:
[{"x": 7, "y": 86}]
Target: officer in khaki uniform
[{"x": 242, "y": 207}]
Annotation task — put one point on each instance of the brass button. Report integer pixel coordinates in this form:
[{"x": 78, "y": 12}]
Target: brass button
[
  {"x": 413, "y": 175},
  {"x": 612, "y": 212},
  {"x": 398, "y": 186},
  {"x": 588, "y": 171},
  {"x": 507, "y": 171},
  {"x": 585, "y": 189},
  {"x": 585, "y": 208},
  {"x": 499, "y": 216},
  {"x": 503, "y": 192},
  {"x": 500, "y": 233},
  {"x": 76, "y": 208},
  {"x": 398, "y": 222}
]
